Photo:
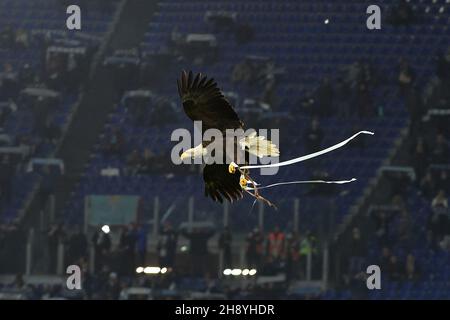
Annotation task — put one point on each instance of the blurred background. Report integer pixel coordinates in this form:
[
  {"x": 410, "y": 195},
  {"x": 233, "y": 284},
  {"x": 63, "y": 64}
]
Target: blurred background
[{"x": 86, "y": 177}]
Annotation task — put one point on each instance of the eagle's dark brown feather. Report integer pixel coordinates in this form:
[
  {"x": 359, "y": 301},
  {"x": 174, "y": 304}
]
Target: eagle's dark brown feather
[
  {"x": 203, "y": 101},
  {"x": 220, "y": 184}
]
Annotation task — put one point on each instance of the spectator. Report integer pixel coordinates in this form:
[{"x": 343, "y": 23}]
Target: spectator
[
  {"x": 51, "y": 132},
  {"x": 255, "y": 248},
  {"x": 114, "y": 143},
  {"x": 406, "y": 77},
  {"x": 42, "y": 113},
  {"x": 440, "y": 219},
  {"x": 405, "y": 227},
  {"x": 243, "y": 33},
  {"x": 313, "y": 137},
  {"x": 26, "y": 75},
  {"x": 412, "y": 272},
  {"x": 382, "y": 225},
  {"x": 443, "y": 66},
  {"x": 10, "y": 86},
  {"x": 393, "y": 269},
  {"x": 133, "y": 161},
  {"x": 307, "y": 248},
  {"x": 177, "y": 41},
  {"x": 443, "y": 182},
  {"x": 225, "y": 241},
  {"x": 198, "y": 239},
  {"x": 270, "y": 267},
  {"x": 147, "y": 163},
  {"x": 358, "y": 286},
  {"x": 363, "y": 99},
  {"x": 357, "y": 252},
  {"x": 324, "y": 97},
  {"x": 402, "y": 13},
  {"x": 55, "y": 236},
  {"x": 112, "y": 287},
  {"x": 276, "y": 244},
  {"x": 48, "y": 184},
  {"x": 21, "y": 39},
  {"x": 222, "y": 21},
  {"x": 128, "y": 240},
  {"x": 77, "y": 246},
  {"x": 142, "y": 245},
  {"x": 102, "y": 247},
  {"x": 415, "y": 107},
  {"x": 7, "y": 37},
  {"x": 6, "y": 179},
  {"x": 440, "y": 152},
  {"x": 341, "y": 93},
  {"x": 428, "y": 185},
  {"x": 385, "y": 258},
  {"x": 167, "y": 246},
  {"x": 268, "y": 96},
  {"x": 293, "y": 256},
  {"x": 420, "y": 159},
  {"x": 19, "y": 282},
  {"x": 242, "y": 73}
]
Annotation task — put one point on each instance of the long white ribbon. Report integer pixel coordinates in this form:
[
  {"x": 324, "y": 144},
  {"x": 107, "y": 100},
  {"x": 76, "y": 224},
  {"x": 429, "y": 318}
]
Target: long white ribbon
[
  {"x": 309, "y": 156},
  {"x": 301, "y": 182}
]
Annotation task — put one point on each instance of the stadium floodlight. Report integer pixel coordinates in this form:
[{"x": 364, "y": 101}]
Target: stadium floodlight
[
  {"x": 252, "y": 272},
  {"x": 139, "y": 269},
  {"x": 163, "y": 270},
  {"x": 236, "y": 272},
  {"x": 227, "y": 272},
  {"x": 245, "y": 272},
  {"x": 106, "y": 229},
  {"x": 152, "y": 270}
]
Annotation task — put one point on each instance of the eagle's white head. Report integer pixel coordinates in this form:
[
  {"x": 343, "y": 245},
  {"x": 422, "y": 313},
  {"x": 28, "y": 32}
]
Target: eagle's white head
[{"x": 194, "y": 153}]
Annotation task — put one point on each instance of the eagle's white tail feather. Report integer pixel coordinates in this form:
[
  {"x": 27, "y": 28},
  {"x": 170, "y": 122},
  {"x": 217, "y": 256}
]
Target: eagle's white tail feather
[{"x": 259, "y": 146}]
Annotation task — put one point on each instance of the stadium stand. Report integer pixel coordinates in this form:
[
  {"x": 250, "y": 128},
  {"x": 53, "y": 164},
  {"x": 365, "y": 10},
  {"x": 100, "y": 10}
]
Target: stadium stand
[{"x": 310, "y": 68}]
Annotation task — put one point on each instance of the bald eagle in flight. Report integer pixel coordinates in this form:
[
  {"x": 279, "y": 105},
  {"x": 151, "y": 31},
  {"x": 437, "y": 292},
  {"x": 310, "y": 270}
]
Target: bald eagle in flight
[{"x": 203, "y": 101}]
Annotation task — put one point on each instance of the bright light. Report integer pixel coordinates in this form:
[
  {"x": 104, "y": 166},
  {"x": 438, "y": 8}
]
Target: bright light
[
  {"x": 106, "y": 229},
  {"x": 152, "y": 270},
  {"x": 227, "y": 272},
  {"x": 326, "y": 21},
  {"x": 183, "y": 248},
  {"x": 245, "y": 272},
  {"x": 236, "y": 272},
  {"x": 252, "y": 272},
  {"x": 163, "y": 270},
  {"x": 139, "y": 269}
]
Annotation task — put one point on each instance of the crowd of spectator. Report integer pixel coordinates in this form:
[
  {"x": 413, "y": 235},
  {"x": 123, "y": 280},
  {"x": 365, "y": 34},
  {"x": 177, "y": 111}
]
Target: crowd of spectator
[
  {"x": 30, "y": 93},
  {"x": 397, "y": 233},
  {"x": 272, "y": 253}
]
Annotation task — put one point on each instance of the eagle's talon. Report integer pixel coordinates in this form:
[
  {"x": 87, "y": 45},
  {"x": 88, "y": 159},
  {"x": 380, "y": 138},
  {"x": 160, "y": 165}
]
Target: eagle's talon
[
  {"x": 232, "y": 168},
  {"x": 243, "y": 182}
]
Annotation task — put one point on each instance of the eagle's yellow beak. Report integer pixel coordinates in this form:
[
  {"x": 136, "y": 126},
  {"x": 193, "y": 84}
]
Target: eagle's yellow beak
[{"x": 184, "y": 155}]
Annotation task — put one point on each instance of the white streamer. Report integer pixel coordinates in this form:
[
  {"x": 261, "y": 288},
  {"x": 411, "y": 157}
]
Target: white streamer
[
  {"x": 308, "y": 156},
  {"x": 302, "y": 182}
]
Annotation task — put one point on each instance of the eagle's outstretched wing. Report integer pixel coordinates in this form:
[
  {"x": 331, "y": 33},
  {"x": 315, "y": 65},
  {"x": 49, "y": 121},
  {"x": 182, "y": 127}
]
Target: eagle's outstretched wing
[
  {"x": 203, "y": 101},
  {"x": 219, "y": 183}
]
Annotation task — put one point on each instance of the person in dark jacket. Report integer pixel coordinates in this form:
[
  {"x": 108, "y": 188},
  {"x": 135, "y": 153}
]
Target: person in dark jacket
[
  {"x": 198, "y": 248},
  {"x": 77, "y": 246},
  {"x": 225, "y": 241},
  {"x": 102, "y": 246},
  {"x": 167, "y": 246}
]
